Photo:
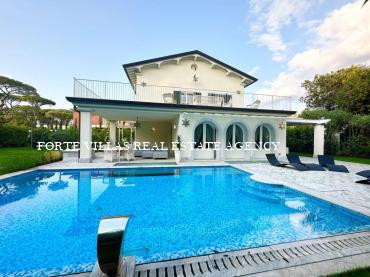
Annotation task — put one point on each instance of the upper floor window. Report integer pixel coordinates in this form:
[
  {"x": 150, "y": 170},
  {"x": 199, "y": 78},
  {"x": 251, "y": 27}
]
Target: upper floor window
[
  {"x": 263, "y": 134},
  {"x": 234, "y": 136},
  {"x": 219, "y": 99}
]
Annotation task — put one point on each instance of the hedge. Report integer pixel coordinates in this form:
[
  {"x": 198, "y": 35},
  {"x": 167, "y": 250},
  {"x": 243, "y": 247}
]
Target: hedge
[
  {"x": 14, "y": 136},
  {"x": 300, "y": 139}
]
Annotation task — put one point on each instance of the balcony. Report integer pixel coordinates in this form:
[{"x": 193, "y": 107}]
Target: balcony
[{"x": 96, "y": 89}]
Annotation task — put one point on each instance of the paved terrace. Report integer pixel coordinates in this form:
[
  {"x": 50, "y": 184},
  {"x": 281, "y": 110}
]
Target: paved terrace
[{"x": 336, "y": 187}]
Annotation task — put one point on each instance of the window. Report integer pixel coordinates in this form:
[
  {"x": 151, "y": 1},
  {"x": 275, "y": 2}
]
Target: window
[
  {"x": 219, "y": 99},
  {"x": 234, "y": 136},
  {"x": 187, "y": 97},
  {"x": 204, "y": 136},
  {"x": 263, "y": 134}
]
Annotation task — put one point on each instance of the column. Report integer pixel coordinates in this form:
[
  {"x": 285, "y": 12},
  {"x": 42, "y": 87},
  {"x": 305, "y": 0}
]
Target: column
[
  {"x": 85, "y": 137},
  {"x": 318, "y": 141},
  {"x": 112, "y": 133}
]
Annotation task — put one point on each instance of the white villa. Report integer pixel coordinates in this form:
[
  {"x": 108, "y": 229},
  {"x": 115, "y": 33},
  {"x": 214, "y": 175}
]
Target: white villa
[{"x": 196, "y": 97}]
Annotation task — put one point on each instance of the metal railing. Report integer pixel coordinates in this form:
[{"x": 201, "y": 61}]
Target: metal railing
[{"x": 96, "y": 89}]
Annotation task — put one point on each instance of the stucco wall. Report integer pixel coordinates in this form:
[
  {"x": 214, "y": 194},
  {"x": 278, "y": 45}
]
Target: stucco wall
[
  {"x": 222, "y": 122},
  {"x": 181, "y": 76},
  {"x": 162, "y": 132}
]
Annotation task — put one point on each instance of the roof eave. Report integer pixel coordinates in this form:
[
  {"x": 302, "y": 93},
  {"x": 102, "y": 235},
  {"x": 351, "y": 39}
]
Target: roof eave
[{"x": 194, "y": 52}]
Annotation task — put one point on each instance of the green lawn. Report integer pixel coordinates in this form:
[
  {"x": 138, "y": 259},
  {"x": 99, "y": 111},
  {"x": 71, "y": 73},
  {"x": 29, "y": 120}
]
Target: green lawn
[
  {"x": 19, "y": 158},
  {"x": 359, "y": 272},
  {"x": 341, "y": 158}
]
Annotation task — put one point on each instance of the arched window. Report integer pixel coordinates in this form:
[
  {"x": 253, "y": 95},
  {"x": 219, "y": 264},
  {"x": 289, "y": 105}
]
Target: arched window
[
  {"x": 234, "y": 136},
  {"x": 204, "y": 136},
  {"x": 263, "y": 134}
]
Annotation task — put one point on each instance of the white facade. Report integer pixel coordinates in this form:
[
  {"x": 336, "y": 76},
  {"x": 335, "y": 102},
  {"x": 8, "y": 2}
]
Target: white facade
[
  {"x": 213, "y": 82},
  {"x": 205, "y": 97},
  {"x": 220, "y": 123}
]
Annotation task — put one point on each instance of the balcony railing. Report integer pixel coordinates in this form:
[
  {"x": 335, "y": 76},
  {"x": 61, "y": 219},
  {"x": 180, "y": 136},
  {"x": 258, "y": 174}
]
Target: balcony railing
[{"x": 96, "y": 89}]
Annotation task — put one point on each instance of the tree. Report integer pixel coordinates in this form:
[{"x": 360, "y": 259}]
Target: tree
[
  {"x": 346, "y": 89},
  {"x": 36, "y": 102},
  {"x": 59, "y": 117},
  {"x": 20, "y": 103},
  {"x": 11, "y": 90}
]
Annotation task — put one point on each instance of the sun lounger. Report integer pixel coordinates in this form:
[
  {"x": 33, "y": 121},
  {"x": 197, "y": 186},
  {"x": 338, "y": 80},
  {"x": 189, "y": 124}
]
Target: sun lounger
[
  {"x": 275, "y": 162},
  {"x": 365, "y": 174},
  {"x": 328, "y": 162},
  {"x": 311, "y": 166}
]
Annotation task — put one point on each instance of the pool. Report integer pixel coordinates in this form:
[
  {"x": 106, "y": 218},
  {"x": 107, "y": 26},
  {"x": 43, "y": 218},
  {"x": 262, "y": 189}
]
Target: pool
[{"x": 49, "y": 219}]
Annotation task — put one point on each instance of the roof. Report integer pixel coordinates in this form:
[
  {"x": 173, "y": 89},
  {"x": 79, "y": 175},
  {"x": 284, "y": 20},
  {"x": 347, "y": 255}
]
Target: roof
[
  {"x": 303, "y": 121},
  {"x": 130, "y": 68}
]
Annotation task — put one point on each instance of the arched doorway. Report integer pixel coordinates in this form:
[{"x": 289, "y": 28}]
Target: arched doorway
[
  {"x": 204, "y": 139},
  {"x": 264, "y": 134},
  {"x": 235, "y": 137}
]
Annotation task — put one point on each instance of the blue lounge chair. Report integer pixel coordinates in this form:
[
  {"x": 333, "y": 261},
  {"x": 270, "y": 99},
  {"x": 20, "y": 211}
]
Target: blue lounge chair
[
  {"x": 328, "y": 162},
  {"x": 275, "y": 162},
  {"x": 365, "y": 174},
  {"x": 311, "y": 166}
]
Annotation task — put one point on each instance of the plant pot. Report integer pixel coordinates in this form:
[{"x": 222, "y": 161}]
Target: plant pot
[{"x": 177, "y": 156}]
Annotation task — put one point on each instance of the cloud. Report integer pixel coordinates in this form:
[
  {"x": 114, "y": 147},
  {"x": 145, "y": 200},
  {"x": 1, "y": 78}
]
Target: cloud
[
  {"x": 340, "y": 40},
  {"x": 270, "y": 17},
  {"x": 253, "y": 70}
]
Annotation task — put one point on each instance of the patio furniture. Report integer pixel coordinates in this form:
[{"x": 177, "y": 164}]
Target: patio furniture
[
  {"x": 254, "y": 105},
  {"x": 311, "y": 166},
  {"x": 128, "y": 154},
  {"x": 110, "y": 236},
  {"x": 167, "y": 97},
  {"x": 328, "y": 162},
  {"x": 137, "y": 153},
  {"x": 365, "y": 174},
  {"x": 160, "y": 154},
  {"x": 147, "y": 154},
  {"x": 275, "y": 162},
  {"x": 110, "y": 153}
]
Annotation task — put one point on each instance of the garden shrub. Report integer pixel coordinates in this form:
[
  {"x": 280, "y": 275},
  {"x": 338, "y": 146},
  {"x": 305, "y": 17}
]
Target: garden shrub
[
  {"x": 300, "y": 139},
  {"x": 51, "y": 156},
  {"x": 66, "y": 135},
  {"x": 100, "y": 134},
  {"x": 40, "y": 135},
  {"x": 14, "y": 136}
]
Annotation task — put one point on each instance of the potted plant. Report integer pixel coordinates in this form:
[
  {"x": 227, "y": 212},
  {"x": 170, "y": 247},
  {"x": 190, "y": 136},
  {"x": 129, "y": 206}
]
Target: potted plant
[{"x": 177, "y": 150}]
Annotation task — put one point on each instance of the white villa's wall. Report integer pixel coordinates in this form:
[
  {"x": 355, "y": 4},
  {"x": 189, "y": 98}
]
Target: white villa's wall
[
  {"x": 222, "y": 122},
  {"x": 180, "y": 75},
  {"x": 162, "y": 132}
]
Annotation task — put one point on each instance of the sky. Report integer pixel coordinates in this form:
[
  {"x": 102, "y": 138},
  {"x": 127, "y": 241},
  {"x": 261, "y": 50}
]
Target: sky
[{"x": 281, "y": 42}]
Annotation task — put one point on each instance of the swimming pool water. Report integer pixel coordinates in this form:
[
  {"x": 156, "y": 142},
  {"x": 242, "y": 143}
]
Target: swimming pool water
[{"x": 49, "y": 219}]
